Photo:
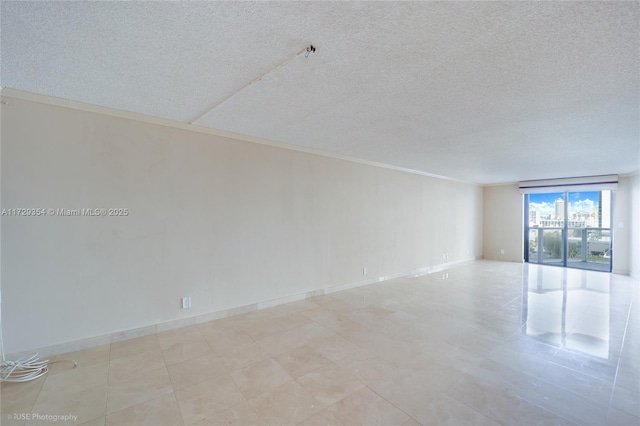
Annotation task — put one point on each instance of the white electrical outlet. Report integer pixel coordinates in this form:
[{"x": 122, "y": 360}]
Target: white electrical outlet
[
  {"x": 501, "y": 251},
  {"x": 186, "y": 302},
  {"x": 365, "y": 271}
]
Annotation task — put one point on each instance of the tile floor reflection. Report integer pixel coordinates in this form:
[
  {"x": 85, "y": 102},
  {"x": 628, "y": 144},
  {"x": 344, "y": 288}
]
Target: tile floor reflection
[
  {"x": 572, "y": 310},
  {"x": 483, "y": 343}
]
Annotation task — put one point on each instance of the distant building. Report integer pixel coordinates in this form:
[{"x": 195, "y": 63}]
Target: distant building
[
  {"x": 560, "y": 208},
  {"x": 559, "y": 223}
]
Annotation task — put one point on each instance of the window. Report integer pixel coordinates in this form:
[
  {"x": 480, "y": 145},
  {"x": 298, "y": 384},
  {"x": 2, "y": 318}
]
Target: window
[{"x": 570, "y": 228}]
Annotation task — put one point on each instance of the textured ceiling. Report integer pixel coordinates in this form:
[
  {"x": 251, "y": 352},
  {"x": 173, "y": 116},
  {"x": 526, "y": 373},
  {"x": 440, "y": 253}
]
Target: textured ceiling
[{"x": 483, "y": 92}]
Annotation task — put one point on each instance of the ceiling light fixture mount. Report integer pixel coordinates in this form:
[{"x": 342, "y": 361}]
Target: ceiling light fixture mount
[{"x": 311, "y": 48}]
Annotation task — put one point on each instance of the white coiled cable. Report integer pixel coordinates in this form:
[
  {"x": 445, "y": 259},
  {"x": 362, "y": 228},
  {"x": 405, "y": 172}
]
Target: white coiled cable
[{"x": 25, "y": 369}]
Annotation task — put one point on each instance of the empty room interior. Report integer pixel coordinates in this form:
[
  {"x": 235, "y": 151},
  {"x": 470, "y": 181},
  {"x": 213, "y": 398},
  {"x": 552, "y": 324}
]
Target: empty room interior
[{"x": 320, "y": 213}]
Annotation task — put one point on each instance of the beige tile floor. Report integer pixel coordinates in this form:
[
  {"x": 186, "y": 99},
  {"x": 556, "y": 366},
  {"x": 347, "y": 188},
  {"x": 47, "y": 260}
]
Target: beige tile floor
[{"x": 484, "y": 343}]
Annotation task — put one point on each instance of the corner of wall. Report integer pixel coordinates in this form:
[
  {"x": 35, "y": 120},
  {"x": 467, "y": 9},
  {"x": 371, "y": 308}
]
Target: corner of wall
[
  {"x": 502, "y": 234},
  {"x": 634, "y": 226}
]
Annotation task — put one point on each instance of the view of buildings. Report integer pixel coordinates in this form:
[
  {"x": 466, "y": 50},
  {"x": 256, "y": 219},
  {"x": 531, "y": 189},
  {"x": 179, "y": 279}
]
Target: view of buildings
[
  {"x": 585, "y": 210},
  {"x": 588, "y": 228}
]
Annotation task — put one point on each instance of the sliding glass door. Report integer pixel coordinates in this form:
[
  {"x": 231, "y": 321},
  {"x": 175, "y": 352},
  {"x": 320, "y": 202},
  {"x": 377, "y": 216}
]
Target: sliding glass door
[
  {"x": 570, "y": 229},
  {"x": 546, "y": 228}
]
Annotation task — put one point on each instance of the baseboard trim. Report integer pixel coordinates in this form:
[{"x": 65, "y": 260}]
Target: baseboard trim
[
  {"x": 620, "y": 272},
  {"x": 51, "y": 351}
]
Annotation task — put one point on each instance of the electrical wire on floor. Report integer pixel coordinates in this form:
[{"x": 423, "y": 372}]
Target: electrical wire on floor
[{"x": 25, "y": 369}]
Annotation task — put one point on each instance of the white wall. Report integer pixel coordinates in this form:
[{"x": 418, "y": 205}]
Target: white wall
[
  {"x": 226, "y": 221},
  {"x": 621, "y": 223},
  {"x": 503, "y": 223}
]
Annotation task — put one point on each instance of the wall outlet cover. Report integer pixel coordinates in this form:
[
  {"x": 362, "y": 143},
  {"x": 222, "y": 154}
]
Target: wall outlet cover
[{"x": 186, "y": 302}]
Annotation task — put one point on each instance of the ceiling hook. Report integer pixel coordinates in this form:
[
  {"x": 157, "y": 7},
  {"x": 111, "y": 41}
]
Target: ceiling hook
[{"x": 309, "y": 50}]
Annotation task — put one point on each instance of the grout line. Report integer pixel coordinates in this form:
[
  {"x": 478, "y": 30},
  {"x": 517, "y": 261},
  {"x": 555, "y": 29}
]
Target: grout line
[
  {"x": 227, "y": 313},
  {"x": 442, "y": 393},
  {"x": 389, "y": 402},
  {"x": 615, "y": 377}
]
